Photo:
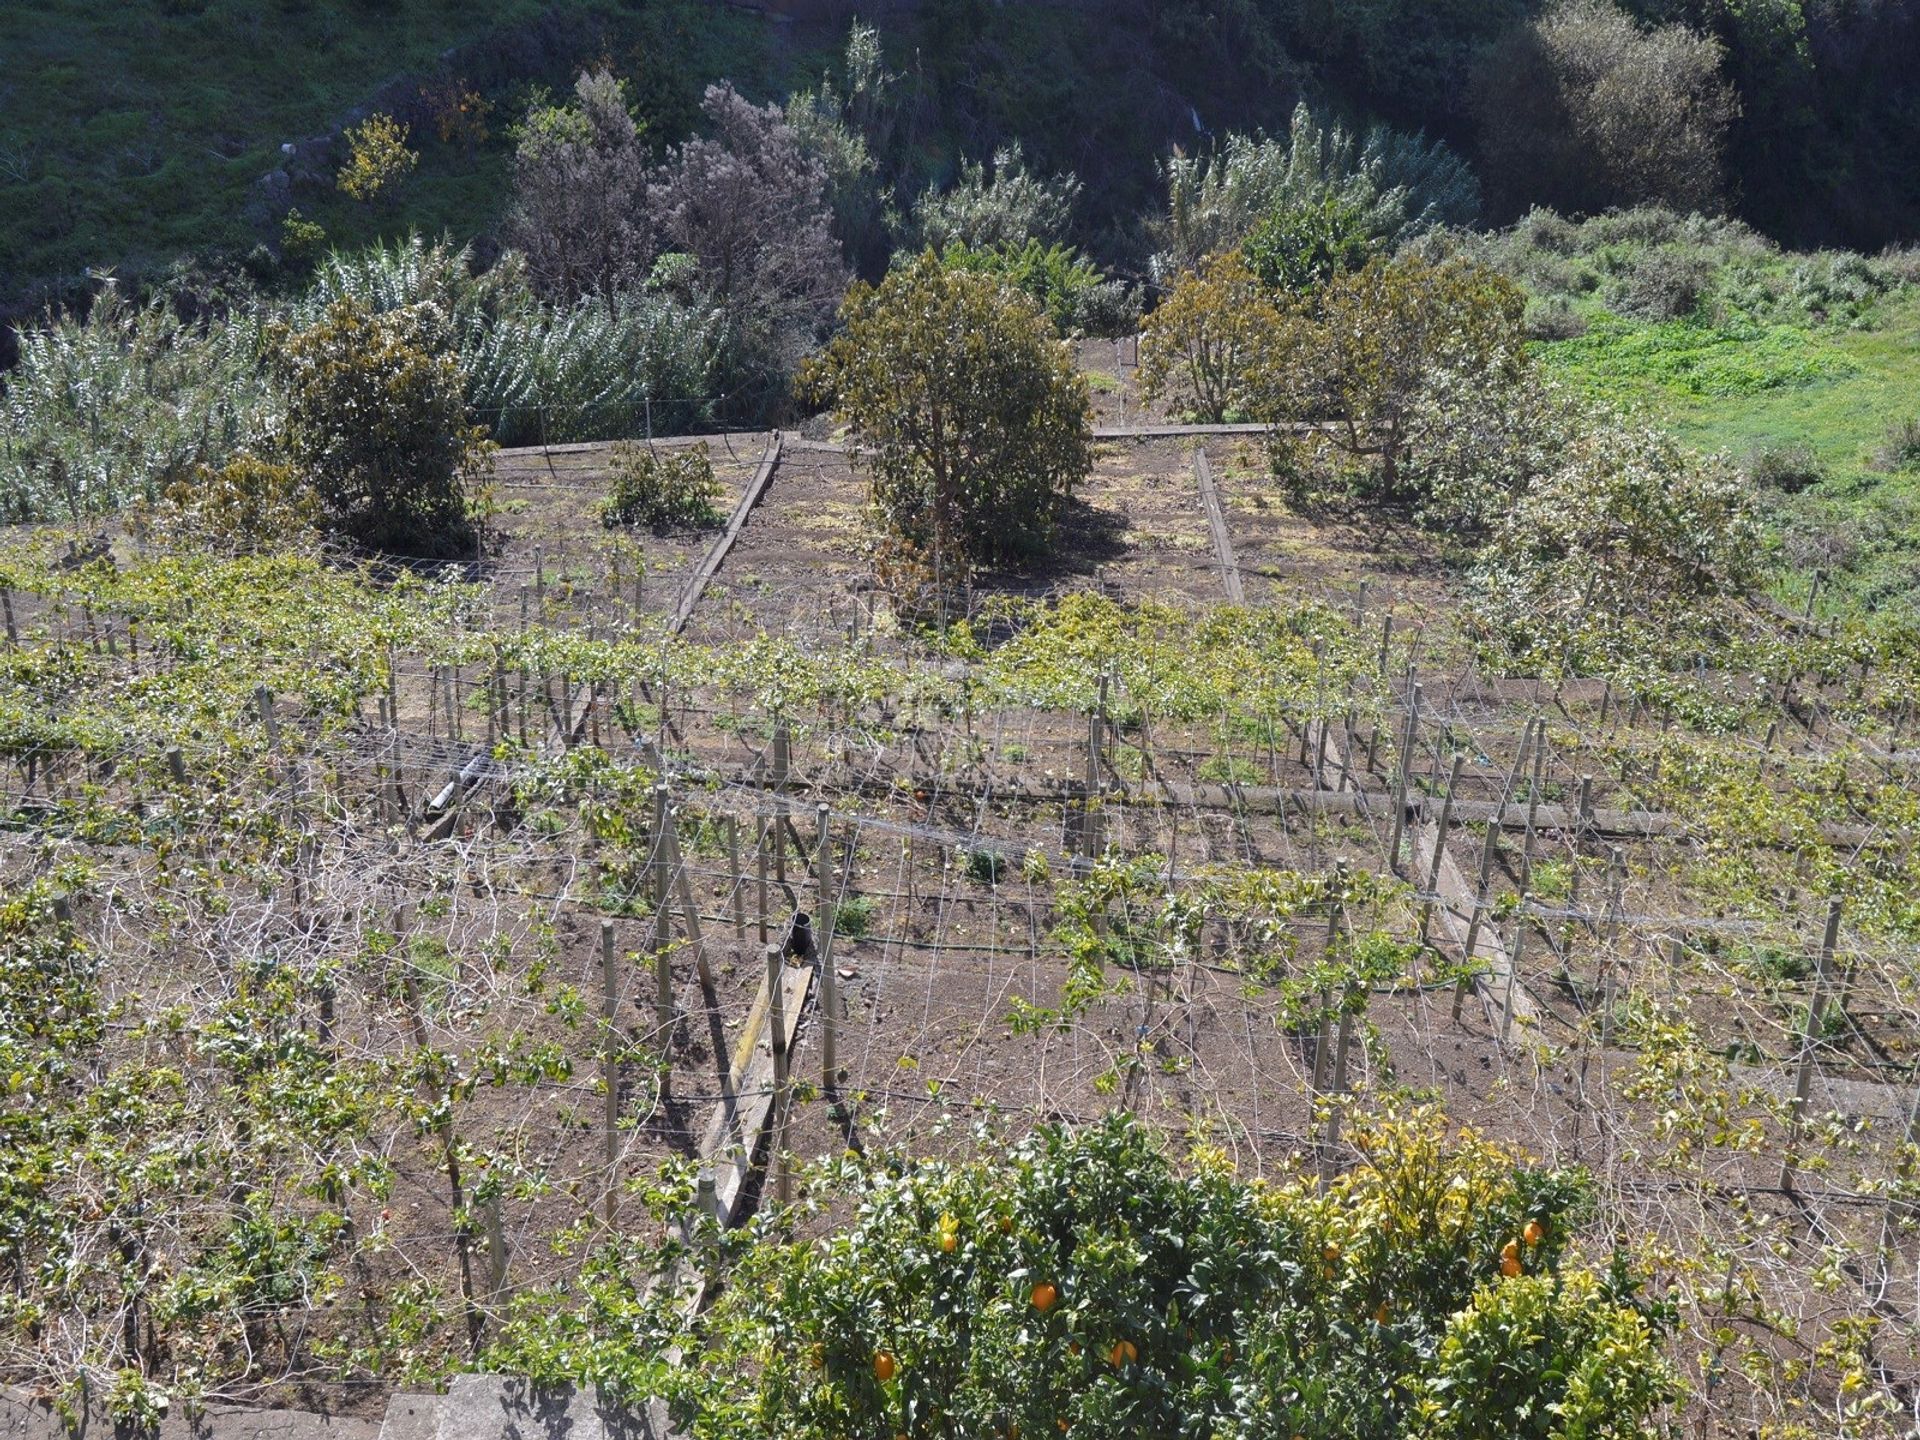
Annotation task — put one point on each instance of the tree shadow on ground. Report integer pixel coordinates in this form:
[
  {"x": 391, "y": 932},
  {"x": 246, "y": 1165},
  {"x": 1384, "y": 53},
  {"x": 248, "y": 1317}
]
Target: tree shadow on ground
[
  {"x": 1086, "y": 539},
  {"x": 1381, "y": 533}
]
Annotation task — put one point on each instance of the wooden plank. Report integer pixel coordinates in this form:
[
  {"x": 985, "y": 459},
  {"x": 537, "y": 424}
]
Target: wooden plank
[
  {"x": 1175, "y": 432},
  {"x": 697, "y": 586},
  {"x": 730, "y": 1149},
  {"x": 1217, "y": 523},
  {"x": 511, "y": 453},
  {"x": 1457, "y": 900},
  {"x": 541, "y": 453}
]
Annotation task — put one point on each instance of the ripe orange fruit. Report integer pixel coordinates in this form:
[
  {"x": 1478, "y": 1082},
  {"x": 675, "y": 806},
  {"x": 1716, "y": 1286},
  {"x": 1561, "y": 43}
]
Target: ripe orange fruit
[
  {"x": 1381, "y": 1316},
  {"x": 949, "y": 1241},
  {"x": 1073, "y": 1348},
  {"x": 1510, "y": 1258},
  {"x": 1124, "y": 1352},
  {"x": 1044, "y": 1296},
  {"x": 883, "y": 1366},
  {"x": 1534, "y": 1233}
]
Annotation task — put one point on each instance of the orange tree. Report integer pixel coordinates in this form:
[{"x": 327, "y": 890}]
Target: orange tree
[{"x": 1083, "y": 1283}]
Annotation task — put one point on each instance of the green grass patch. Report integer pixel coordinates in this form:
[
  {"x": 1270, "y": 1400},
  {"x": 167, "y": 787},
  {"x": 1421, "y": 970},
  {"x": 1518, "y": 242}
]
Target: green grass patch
[
  {"x": 1831, "y": 392},
  {"x": 1682, "y": 359}
]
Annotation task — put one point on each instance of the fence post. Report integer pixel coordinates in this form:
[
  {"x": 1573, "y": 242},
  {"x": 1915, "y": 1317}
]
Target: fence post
[
  {"x": 1486, "y": 866},
  {"x": 824, "y": 928},
  {"x": 609, "y": 1066},
  {"x": 1440, "y": 845},
  {"x": 777, "y": 1035},
  {"x": 496, "y": 1249},
  {"x": 263, "y": 697},
  {"x": 739, "y": 880},
  {"x": 1816, "y": 1012},
  {"x": 1400, "y": 784}
]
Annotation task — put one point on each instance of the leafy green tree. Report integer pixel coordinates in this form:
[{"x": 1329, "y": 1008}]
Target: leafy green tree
[
  {"x": 749, "y": 203},
  {"x": 1202, "y": 341},
  {"x": 1087, "y": 1282},
  {"x": 377, "y": 423},
  {"x": 1366, "y": 345},
  {"x": 1582, "y": 110},
  {"x": 974, "y": 424},
  {"x": 579, "y": 193},
  {"x": 849, "y": 126},
  {"x": 1630, "y": 551}
]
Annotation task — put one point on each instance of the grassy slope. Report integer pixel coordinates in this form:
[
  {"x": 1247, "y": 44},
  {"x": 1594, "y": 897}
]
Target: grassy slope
[
  {"x": 140, "y": 127},
  {"x": 1757, "y": 387},
  {"x": 144, "y": 130}
]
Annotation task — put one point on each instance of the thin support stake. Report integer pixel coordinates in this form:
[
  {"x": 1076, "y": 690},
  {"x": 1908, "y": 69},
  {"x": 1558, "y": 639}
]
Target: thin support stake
[
  {"x": 1400, "y": 785},
  {"x": 609, "y": 1066},
  {"x": 1816, "y": 1014}
]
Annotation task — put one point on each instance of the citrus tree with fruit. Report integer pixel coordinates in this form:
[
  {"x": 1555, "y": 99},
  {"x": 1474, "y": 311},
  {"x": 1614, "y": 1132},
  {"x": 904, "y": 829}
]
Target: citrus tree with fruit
[{"x": 1084, "y": 1283}]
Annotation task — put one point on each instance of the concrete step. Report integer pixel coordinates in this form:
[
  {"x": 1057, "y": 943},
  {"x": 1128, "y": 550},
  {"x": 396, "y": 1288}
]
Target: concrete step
[
  {"x": 475, "y": 1407},
  {"x": 500, "y": 1407},
  {"x": 25, "y": 1417}
]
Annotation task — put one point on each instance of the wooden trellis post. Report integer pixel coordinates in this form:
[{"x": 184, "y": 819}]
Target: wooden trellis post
[
  {"x": 496, "y": 1249},
  {"x": 1486, "y": 865},
  {"x": 1816, "y": 1014},
  {"x": 777, "y": 1035},
  {"x": 609, "y": 1067},
  {"x": 263, "y": 697},
  {"x": 1440, "y": 845},
  {"x": 760, "y": 866},
  {"x": 1400, "y": 784},
  {"x": 824, "y": 926},
  {"x": 739, "y": 879}
]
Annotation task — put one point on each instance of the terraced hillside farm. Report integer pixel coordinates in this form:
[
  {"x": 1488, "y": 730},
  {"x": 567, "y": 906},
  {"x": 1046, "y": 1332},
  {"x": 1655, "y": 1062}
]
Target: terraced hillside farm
[{"x": 397, "y": 931}]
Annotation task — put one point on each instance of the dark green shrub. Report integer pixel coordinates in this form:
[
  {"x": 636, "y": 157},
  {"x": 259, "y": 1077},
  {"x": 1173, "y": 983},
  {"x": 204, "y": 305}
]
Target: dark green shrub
[
  {"x": 1553, "y": 318},
  {"x": 246, "y": 506},
  {"x": 1078, "y": 299},
  {"x": 661, "y": 490},
  {"x": 377, "y": 425},
  {"x": 1665, "y": 285},
  {"x": 302, "y": 241},
  {"x": 1300, "y": 247}
]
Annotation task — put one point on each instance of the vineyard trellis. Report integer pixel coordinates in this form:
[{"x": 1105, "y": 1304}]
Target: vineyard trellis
[{"x": 449, "y": 909}]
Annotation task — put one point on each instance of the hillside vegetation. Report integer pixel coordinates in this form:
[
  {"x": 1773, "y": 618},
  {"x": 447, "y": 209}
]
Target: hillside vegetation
[{"x": 1092, "y": 721}]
